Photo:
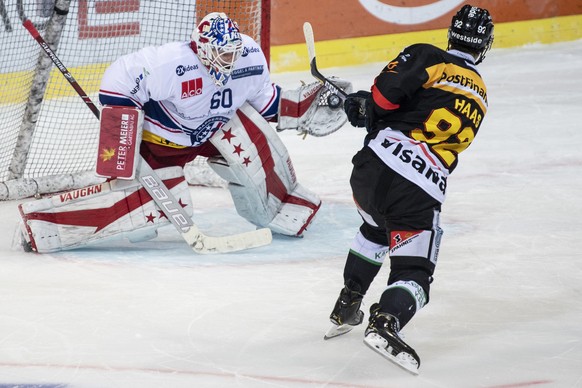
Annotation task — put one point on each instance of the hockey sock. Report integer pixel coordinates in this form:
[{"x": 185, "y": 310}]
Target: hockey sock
[
  {"x": 402, "y": 300},
  {"x": 360, "y": 271}
]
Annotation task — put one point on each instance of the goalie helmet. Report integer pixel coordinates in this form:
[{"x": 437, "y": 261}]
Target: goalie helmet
[
  {"x": 472, "y": 30},
  {"x": 217, "y": 42}
]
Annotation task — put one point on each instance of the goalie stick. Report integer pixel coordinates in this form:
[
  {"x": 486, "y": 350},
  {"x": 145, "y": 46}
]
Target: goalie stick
[
  {"x": 338, "y": 95},
  {"x": 156, "y": 188}
]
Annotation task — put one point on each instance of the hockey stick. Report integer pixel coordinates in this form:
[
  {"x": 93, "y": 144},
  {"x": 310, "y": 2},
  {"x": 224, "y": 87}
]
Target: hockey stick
[
  {"x": 333, "y": 88},
  {"x": 156, "y": 188},
  {"x": 200, "y": 242}
]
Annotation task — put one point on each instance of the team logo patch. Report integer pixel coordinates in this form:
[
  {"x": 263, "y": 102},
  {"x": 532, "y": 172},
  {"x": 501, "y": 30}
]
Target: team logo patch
[
  {"x": 206, "y": 129},
  {"x": 181, "y": 69},
  {"x": 191, "y": 88}
]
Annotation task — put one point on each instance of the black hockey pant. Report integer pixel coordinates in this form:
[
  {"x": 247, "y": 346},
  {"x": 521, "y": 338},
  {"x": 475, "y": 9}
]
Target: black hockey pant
[{"x": 395, "y": 204}]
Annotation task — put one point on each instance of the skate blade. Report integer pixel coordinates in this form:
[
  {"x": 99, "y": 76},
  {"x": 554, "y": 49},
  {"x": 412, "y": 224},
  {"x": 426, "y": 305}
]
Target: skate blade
[
  {"x": 336, "y": 331},
  {"x": 403, "y": 360}
]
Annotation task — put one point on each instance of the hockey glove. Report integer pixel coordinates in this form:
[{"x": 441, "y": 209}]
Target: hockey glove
[
  {"x": 355, "y": 108},
  {"x": 307, "y": 109}
]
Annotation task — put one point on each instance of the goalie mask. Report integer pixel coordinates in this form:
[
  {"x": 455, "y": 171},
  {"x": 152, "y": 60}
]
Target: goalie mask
[{"x": 218, "y": 44}]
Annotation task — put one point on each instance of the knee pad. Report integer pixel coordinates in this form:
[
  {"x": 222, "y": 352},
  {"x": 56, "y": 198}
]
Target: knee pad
[
  {"x": 413, "y": 258},
  {"x": 368, "y": 250},
  {"x": 417, "y": 247},
  {"x": 421, "y": 244},
  {"x": 364, "y": 262}
]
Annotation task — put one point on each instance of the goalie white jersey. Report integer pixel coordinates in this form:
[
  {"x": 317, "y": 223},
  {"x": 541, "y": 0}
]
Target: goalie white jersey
[{"x": 181, "y": 101}]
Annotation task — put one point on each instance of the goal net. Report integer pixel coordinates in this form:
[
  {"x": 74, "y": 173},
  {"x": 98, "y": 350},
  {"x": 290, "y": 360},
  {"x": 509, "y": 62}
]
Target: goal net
[{"x": 49, "y": 136}]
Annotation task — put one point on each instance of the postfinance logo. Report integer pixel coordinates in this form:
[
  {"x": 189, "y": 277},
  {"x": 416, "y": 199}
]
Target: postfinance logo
[{"x": 409, "y": 15}]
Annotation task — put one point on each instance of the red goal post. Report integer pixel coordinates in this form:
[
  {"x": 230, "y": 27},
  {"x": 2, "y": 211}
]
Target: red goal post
[{"x": 49, "y": 136}]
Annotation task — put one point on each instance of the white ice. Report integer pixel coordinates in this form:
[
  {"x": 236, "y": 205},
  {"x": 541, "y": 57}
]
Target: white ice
[{"x": 505, "y": 308}]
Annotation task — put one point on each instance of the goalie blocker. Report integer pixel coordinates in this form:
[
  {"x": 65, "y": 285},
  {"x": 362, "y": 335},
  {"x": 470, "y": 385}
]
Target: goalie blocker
[{"x": 119, "y": 140}]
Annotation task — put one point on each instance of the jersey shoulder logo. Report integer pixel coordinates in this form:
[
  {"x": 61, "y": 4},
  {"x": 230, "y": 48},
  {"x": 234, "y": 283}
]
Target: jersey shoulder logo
[
  {"x": 191, "y": 88},
  {"x": 181, "y": 69},
  {"x": 249, "y": 50}
]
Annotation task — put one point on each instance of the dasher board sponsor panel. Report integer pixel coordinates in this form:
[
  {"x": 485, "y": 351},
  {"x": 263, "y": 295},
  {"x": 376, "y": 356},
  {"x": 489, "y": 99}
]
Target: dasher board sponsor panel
[{"x": 380, "y": 17}]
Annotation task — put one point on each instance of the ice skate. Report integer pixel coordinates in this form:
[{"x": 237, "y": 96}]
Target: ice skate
[
  {"x": 346, "y": 313},
  {"x": 382, "y": 336}
]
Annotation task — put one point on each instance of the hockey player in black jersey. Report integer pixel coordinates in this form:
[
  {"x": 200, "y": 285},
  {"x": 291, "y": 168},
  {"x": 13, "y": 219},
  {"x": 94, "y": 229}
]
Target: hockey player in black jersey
[{"x": 424, "y": 109}]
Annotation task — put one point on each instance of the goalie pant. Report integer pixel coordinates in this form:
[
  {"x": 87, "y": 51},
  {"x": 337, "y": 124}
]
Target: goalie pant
[
  {"x": 261, "y": 177},
  {"x": 98, "y": 213}
]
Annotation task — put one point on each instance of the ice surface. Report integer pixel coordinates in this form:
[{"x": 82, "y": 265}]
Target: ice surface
[{"x": 505, "y": 307}]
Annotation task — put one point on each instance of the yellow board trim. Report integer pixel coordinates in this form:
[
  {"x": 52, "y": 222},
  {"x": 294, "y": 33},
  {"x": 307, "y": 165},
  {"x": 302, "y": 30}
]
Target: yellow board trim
[
  {"x": 383, "y": 48},
  {"x": 14, "y": 87}
]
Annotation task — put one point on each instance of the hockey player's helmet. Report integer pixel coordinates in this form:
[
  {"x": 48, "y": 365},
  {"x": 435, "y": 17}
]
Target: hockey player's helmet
[
  {"x": 217, "y": 42},
  {"x": 472, "y": 29}
]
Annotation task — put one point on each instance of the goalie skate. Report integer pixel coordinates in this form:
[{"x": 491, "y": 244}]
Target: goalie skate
[{"x": 382, "y": 336}]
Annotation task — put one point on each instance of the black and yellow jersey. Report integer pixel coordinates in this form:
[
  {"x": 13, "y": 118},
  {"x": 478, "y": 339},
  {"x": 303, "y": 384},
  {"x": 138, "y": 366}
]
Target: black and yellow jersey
[{"x": 431, "y": 96}]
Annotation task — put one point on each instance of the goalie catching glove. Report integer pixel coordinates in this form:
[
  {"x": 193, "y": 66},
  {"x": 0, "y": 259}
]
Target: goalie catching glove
[{"x": 312, "y": 109}]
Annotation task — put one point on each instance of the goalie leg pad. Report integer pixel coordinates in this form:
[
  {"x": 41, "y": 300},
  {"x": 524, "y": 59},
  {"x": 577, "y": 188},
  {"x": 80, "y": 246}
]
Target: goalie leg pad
[
  {"x": 294, "y": 215},
  {"x": 96, "y": 213},
  {"x": 261, "y": 177},
  {"x": 297, "y": 212}
]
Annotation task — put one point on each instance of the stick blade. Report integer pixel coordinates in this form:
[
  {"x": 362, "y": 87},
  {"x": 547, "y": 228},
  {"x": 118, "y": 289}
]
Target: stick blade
[
  {"x": 309, "y": 41},
  {"x": 203, "y": 244}
]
